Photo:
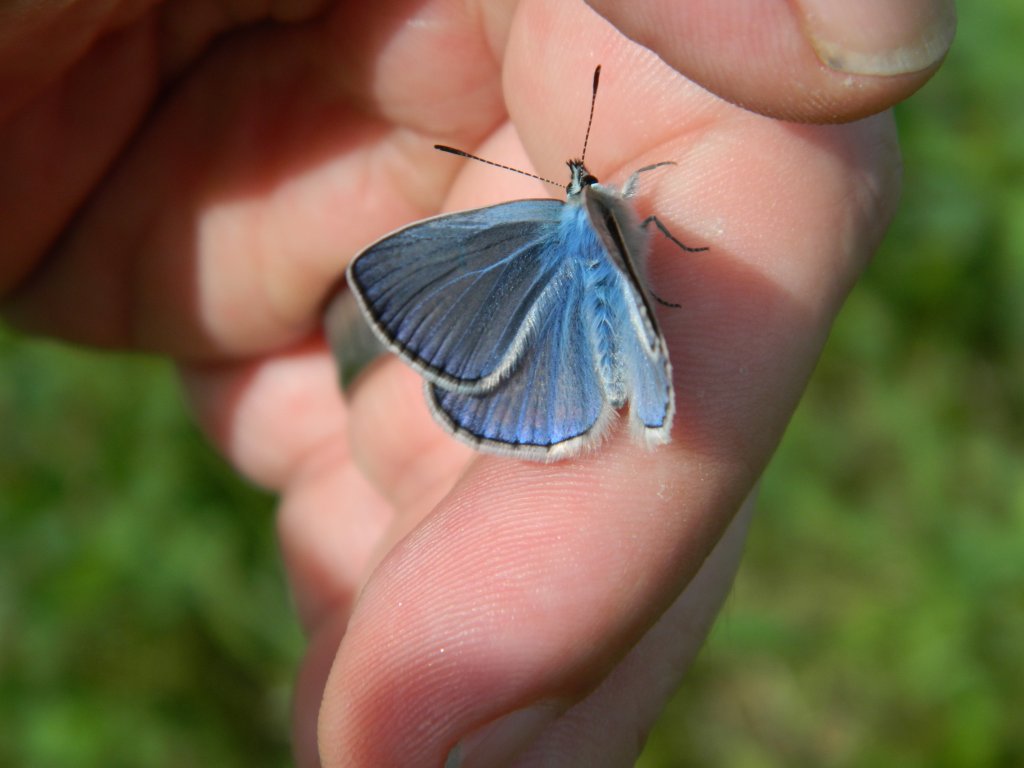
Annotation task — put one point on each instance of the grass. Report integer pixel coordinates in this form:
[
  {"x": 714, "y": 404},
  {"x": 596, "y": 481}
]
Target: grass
[{"x": 143, "y": 615}]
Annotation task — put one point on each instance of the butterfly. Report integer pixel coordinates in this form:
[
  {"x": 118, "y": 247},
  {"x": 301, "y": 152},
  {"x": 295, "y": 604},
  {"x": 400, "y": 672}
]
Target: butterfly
[{"x": 529, "y": 320}]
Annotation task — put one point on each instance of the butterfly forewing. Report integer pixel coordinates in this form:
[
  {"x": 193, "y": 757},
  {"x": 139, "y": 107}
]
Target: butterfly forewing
[{"x": 456, "y": 295}]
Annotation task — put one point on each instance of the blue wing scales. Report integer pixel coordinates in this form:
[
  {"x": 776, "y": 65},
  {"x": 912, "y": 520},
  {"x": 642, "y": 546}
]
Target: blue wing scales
[
  {"x": 642, "y": 352},
  {"x": 645, "y": 363},
  {"x": 554, "y": 398},
  {"x": 455, "y": 295}
]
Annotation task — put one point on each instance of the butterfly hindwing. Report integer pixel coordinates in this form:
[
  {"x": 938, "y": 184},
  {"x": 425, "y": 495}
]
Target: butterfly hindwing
[
  {"x": 552, "y": 402},
  {"x": 456, "y": 295},
  {"x": 643, "y": 353},
  {"x": 645, "y": 363}
]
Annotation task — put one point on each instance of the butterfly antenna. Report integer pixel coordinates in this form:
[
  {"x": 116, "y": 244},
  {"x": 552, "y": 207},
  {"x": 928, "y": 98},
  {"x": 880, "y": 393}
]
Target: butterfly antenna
[
  {"x": 460, "y": 153},
  {"x": 590, "y": 120}
]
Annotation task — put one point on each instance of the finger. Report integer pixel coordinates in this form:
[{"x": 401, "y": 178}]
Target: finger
[
  {"x": 220, "y": 229},
  {"x": 60, "y": 130},
  {"x": 332, "y": 527},
  {"x": 281, "y": 422},
  {"x": 789, "y": 211},
  {"x": 76, "y": 82},
  {"x": 521, "y": 592},
  {"x": 535, "y": 557},
  {"x": 610, "y": 725},
  {"x": 817, "y": 61},
  {"x": 267, "y": 415}
]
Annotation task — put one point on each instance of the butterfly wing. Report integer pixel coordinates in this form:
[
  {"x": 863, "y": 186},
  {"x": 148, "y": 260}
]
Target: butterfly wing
[
  {"x": 457, "y": 295},
  {"x": 648, "y": 373},
  {"x": 552, "y": 403},
  {"x": 643, "y": 353}
]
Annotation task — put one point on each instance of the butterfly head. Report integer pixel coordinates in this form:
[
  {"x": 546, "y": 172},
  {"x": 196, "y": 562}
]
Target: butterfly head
[{"x": 579, "y": 177}]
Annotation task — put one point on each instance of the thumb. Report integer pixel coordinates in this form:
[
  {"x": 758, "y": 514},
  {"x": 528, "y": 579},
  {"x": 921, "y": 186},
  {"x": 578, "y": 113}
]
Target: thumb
[{"x": 819, "y": 61}]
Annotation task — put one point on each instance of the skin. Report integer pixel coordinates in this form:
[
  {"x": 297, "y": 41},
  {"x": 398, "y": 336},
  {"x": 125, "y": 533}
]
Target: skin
[{"x": 195, "y": 183}]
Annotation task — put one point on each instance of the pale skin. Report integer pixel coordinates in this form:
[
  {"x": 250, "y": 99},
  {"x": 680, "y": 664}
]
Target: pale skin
[{"x": 194, "y": 187}]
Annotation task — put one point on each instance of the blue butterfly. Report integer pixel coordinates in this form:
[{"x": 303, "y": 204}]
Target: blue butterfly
[{"x": 529, "y": 320}]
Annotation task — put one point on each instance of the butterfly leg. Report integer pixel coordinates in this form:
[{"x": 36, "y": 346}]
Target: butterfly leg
[
  {"x": 629, "y": 188},
  {"x": 664, "y": 230}
]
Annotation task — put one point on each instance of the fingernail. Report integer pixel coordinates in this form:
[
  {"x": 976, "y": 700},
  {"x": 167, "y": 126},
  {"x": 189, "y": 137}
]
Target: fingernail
[
  {"x": 500, "y": 741},
  {"x": 879, "y": 37}
]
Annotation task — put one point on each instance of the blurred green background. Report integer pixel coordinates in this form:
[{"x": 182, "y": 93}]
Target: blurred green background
[{"x": 878, "y": 618}]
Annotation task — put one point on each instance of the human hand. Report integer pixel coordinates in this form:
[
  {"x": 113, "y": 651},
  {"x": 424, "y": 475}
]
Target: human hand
[{"x": 198, "y": 197}]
